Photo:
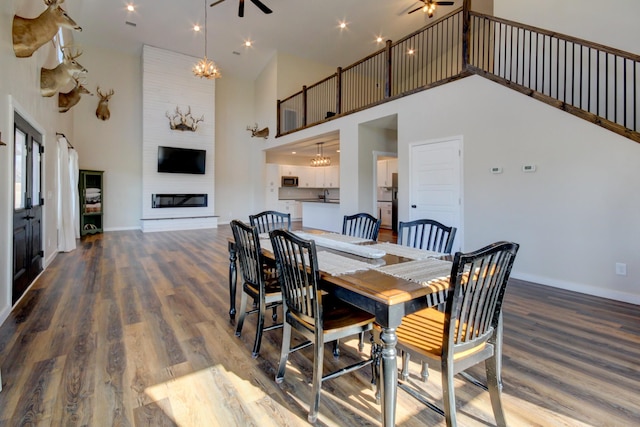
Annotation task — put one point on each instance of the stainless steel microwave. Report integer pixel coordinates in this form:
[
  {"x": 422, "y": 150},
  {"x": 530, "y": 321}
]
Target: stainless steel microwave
[{"x": 289, "y": 181}]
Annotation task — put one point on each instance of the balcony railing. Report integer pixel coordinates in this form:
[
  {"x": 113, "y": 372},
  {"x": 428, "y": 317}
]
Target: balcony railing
[{"x": 592, "y": 81}]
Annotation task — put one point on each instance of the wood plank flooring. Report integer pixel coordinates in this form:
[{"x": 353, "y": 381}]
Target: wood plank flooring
[{"x": 132, "y": 329}]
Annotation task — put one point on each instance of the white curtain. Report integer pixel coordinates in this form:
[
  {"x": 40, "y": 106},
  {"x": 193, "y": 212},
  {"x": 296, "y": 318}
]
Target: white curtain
[{"x": 68, "y": 216}]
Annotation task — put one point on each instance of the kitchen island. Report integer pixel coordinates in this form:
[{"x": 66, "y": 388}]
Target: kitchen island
[{"x": 322, "y": 215}]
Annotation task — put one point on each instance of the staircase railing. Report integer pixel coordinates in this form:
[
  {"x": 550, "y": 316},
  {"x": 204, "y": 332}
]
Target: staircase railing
[{"x": 591, "y": 81}]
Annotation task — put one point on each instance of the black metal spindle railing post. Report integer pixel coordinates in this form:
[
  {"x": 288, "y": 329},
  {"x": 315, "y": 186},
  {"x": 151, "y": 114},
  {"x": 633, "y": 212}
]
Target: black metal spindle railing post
[
  {"x": 466, "y": 33},
  {"x": 278, "y": 115}
]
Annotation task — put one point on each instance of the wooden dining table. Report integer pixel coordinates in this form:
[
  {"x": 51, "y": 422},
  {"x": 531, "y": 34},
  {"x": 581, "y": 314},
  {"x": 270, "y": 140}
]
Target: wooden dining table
[{"x": 387, "y": 297}]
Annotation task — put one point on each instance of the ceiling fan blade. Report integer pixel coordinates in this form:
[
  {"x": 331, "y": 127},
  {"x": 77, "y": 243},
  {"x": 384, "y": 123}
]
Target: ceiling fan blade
[
  {"x": 241, "y": 9},
  {"x": 444, "y": 3},
  {"x": 261, "y": 6},
  {"x": 215, "y": 3},
  {"x": 416, "y": 9}
]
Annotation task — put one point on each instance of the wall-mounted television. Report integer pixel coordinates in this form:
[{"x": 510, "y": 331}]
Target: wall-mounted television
[{"x": 181, "y": 160}]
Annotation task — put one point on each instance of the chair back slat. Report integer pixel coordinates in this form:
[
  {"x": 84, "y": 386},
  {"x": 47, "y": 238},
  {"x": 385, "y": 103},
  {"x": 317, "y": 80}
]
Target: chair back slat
[
  {"x": 270, "y": 220},
  {"x": 426, "y": 234},
  {"x": 249, "y": 252},
  {"x": 474, "y": 303},
  {"x": 298, "y": 273},
  {"x": 361, "y": 225}
]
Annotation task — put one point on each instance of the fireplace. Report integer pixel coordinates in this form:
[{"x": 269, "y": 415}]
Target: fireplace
[{"x": 178, "y": 200}]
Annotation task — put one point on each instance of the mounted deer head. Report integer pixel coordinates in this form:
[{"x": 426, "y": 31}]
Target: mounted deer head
[
  {"x": 180, "y": 121},
  {"x": 102, "y": 112},
  {"x": 71, "y": 98},
  {"x": 30, "y": 34},
  {"x": 262, "y": 133},
  {"x": 51, "y": 80}
]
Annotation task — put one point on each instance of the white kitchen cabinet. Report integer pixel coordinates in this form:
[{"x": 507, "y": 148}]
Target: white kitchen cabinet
[
  {"x": 289, "y": 170},
  {"x": 292, "y": 207},
  {"x": 384, "y": 210},
  {"x": 386, "y": 168},
  {"x": 327, "y": 177},
  {"x": 306, "y": 177}
]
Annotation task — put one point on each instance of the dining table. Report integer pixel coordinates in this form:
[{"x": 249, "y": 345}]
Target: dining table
[{"x": 394, "y": 282}]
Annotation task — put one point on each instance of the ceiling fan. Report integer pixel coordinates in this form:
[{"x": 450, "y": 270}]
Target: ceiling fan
[
  {"x": 429, "y": 6},
  {"x": 258, "y": 3}
]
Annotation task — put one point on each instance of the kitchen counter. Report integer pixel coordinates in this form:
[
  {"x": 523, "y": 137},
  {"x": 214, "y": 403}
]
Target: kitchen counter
[{"x": 322, "y": 215}]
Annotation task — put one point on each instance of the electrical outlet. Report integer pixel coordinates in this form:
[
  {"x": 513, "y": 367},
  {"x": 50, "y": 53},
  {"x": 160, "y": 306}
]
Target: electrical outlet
[{"x": 621, "y": 269}]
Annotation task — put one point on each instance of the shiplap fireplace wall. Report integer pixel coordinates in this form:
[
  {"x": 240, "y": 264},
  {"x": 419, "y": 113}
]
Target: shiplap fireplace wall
[{"x": 168, "y": 83}]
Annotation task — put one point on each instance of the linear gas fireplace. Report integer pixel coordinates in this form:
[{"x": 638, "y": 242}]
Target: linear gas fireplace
[{"x": 178, "y": 200}]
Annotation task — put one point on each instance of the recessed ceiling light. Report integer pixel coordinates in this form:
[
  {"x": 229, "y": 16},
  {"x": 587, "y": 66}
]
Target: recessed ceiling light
[
  {"x": 248, "y": 43},
  {"x": 131, "y": 8},
  {"x": 379, "y": 39},
  {"x": 342, "y": 25},
  {"x": 410, "y": 51},
  {"x": 196, "y": 28}
]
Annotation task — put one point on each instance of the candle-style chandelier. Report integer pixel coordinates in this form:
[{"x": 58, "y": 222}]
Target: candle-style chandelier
[
  {"x": 205, "y": 68},
  {"x": 320, "y": 159}
]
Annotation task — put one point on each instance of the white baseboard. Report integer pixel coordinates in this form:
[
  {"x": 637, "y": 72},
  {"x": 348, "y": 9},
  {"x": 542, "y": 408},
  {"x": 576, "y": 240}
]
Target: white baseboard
[
  {"x": 175, "y": 224},
  {"x": 579, "y": 287},
  {"x": 122, "y": 228}
]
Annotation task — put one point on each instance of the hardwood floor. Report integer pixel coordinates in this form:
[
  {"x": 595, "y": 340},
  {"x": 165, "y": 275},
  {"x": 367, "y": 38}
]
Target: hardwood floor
[{"x": 132, "y": 329}]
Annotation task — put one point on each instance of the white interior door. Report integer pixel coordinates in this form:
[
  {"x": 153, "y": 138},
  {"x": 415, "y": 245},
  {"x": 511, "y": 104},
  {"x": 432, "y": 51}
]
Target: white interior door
[{"x": 436, "y": 183}]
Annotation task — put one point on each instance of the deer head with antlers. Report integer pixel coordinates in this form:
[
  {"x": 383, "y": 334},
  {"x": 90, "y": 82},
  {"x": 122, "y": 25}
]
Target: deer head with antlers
[
  {"x": 71, "y": 98},
  {"x": 102, "y": 112},
  {"x": 30, "y": 34},
  {"x": 262, "y": 133},
  {"x": 51, "y": 80}
]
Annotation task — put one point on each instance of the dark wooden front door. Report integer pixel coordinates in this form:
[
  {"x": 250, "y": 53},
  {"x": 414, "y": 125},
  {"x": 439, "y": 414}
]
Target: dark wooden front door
[{"x": 27, "y": 207}]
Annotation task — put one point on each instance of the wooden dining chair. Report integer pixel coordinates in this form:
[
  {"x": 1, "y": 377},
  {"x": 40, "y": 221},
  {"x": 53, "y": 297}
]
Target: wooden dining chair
[
  {"x": 469, "y": 331},
  {"x": 317, "y": 317},
  {"x": 264, "y": 289},
  {"x": 361, "y": 225},
  {"x": 270, "y": 220},
  {"x": 426, "y": 234}
]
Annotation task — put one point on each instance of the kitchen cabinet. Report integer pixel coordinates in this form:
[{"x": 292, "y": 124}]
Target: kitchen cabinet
[
  {"x": 327, "y": 177},
  {"x": 384, "y": 212},
  {"x": 386, "y": 168},
  {"x": 292, "y": 207}
]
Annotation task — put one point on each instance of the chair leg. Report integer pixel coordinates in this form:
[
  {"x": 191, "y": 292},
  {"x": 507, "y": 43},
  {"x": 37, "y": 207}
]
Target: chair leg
[
  {"x": 376, "y": 354},
  {"x": 361, "y": 342},
  {"x": 259, "y": 329},
  {"x": 492, "y": 366},
  {"x": 243, "y": 313},
  {"x": 336, "y": 348},
  {"x": 404, "y": 374},
  {"x": 424, "y": 371},
  {"x": 318, "y": 361},
  {"x": 448, "y": 394},
  {"x": 284, "y": 353},
  {"x": 274, "y": 316}
]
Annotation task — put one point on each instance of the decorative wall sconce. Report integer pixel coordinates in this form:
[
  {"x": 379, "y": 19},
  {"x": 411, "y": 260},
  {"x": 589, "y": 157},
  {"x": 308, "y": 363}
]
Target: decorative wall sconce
[
  {"x": 262, "y": 133},
  {"x": 180, "y": 121}
]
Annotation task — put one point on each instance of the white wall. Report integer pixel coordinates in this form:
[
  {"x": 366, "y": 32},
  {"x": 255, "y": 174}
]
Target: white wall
[
  {"x": 114, "y": 145},
  {"x": 20, "y": 89}
]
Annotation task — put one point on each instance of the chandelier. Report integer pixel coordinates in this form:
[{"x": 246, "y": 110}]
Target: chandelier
[
  {"x": 320, "y": 159},
  {"x": 205, "y": 67}
]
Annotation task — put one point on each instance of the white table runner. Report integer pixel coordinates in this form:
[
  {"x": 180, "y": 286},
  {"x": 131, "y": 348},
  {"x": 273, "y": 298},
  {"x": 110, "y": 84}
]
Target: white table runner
[
  {"x": 336, "y": 265},
  {"x": 343, "y": 238},
  {"x": 366, "y": 251},
  {"x": 424, "y": 271},
  {"x": 407, "y": 251}
]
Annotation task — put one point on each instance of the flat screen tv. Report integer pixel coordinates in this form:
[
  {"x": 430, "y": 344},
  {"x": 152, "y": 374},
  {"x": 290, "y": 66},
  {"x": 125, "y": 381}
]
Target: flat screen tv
[{"x": 181, "y": 160}]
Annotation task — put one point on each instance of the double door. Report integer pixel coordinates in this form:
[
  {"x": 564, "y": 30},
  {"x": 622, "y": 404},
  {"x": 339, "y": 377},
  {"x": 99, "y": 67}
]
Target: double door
[{"x": 27, "y": 206}]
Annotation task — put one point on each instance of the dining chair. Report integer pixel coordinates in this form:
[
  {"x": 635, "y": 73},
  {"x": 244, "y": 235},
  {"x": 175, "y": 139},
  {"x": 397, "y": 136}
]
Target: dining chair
[
  {"x": 426, "y": 234},
  {"x": 270, "y": 220},
  {"x": 263, "y": 288},
  {"x": 316, "y": 316},
  {"x": 469, "y": 331},
  {"x": 361, "y": 225},
  {"x": 429, "y": 235}
]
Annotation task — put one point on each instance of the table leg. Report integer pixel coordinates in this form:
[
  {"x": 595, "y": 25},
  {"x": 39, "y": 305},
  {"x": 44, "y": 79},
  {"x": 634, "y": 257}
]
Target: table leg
[
  {"x": 232, "y": 281},
  {"x": 389, "y": 383}
]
